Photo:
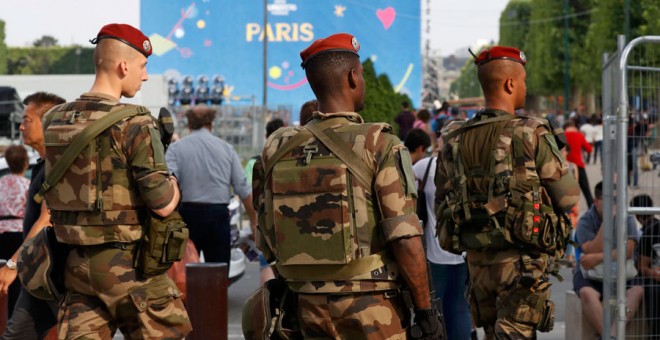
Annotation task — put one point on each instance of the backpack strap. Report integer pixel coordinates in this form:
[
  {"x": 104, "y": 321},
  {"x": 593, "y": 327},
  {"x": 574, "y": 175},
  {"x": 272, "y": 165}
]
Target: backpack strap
[
  {"x": 363, "y": 173},
  {"x": 289, "y": 145},
  {"x": 473, "y": 123},
  {"x": 80, "y": 142}
]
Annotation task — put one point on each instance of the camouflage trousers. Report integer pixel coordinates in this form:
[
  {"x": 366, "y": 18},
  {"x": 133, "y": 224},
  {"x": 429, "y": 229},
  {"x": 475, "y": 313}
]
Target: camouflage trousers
[
  {"x": 509, "y": 294},
  {"x": 106, "y": 293},
  {"x": 355, "y": 316}
]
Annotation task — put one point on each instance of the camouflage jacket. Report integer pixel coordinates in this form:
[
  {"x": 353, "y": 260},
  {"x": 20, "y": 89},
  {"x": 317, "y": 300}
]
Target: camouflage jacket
[
  {"x": 543, "y": 162},
  {"x": 103, "y": 197},
  {"x": 378, "y": 214}
]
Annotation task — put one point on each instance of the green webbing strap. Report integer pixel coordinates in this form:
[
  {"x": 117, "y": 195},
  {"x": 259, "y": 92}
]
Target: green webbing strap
[
  {"x": 337, "y": 146},
  {"x": 334, "y": 272},
  {"x": 472, "y": 124},
  {"x": 289, "y": 145},
  {"x": 80, "y": 142}
]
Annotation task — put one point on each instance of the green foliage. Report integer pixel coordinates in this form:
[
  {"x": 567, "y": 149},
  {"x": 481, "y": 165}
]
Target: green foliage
[
  {"x": 650, "y": 14},
  {"x": 50, "y": 60},
  {"x": 381, "y": 102},
  {"x": 537, "y": 28},
  {"x": 3, "y": 49},
  {"x": 514, "y": 23},
  {"x": 545, "y": 49},
  {"x": 467, "y": 84},
  {"x": 45, "y": 41}
]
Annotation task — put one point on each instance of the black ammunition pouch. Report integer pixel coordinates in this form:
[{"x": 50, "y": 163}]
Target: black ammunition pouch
[{"x": 163, "y": 244}]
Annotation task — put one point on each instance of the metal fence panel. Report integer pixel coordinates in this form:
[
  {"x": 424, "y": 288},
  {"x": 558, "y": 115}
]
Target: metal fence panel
[
  {"x": 635, "y": 158},
  {"x": 242, "y": 126}
]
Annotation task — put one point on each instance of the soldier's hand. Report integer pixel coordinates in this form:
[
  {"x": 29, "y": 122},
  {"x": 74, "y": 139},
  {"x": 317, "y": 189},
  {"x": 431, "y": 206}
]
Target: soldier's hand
[
  {"x": 427, "y": 325},
  {"x": 7, "y": 277}
]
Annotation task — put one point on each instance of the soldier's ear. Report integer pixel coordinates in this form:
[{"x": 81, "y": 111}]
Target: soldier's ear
[
  {"x": 352, "y": 78},
  {"x": 123, "y": 68},
  {"x": 509, "y": 85}
]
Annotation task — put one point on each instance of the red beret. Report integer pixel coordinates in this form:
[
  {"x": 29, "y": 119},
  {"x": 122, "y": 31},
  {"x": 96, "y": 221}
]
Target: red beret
[
  {"x": 127, "y": 34},
  {"x": 501, "y": 52},
  {"x": 336, "y": 42}
]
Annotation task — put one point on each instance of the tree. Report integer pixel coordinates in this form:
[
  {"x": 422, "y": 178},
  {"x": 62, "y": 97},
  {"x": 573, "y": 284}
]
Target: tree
[
  {"x": 3, "y": 49},
  {"x": 45, "y": 41},
  {"x": 514, "y": 24},
  {"x": 382, "y": 103},
  {"x": 467, "y": 85}
]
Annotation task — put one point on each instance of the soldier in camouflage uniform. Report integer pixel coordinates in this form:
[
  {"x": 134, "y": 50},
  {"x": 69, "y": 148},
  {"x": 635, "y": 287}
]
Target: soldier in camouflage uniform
[
  {"x": 509, "y": 289},
  {"x": 344, "y": 244},
  {"x": 100, "y": 205}
]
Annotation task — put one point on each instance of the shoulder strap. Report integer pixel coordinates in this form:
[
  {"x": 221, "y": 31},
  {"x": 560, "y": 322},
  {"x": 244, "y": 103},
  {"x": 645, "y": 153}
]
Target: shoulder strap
[
  {"x": 473, "y": 124},
  {"x": 353, "y": 161},
  {"x": 80, "y": 142},
  {"x": 289, "y": 145},
  {"x": 426, "y": 173}
]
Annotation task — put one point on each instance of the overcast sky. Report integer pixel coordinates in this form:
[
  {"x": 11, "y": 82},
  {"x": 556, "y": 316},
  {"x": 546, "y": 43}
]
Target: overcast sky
[{"x": 455, "y": 24}]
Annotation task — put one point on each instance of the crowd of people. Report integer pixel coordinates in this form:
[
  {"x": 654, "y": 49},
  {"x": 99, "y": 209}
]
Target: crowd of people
[{"x": 447, "y": 221}]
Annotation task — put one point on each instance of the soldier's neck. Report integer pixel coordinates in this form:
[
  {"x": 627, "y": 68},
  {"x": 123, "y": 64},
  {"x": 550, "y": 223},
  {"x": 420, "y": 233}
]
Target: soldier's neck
[
  {"x": 105, "y": 86},
  {"x": 498, "y": 104}
]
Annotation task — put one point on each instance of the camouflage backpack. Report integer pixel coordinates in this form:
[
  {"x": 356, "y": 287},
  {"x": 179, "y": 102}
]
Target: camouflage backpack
[
  {"x": 91, "y": 184},
  {"x": 309, "y": 218},
  {"x": 500, "y": 203}
]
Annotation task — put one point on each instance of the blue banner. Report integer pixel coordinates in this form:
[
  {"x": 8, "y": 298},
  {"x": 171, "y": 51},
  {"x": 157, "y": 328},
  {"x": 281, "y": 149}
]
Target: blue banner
[{"x": 223, "y": 37}]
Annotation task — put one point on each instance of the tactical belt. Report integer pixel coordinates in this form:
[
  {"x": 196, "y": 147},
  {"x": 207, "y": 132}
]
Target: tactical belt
[
  {"x": 112, "y": 245},
  {"x": 97, "y": 218},
  {"x": 335, "y": 272}
]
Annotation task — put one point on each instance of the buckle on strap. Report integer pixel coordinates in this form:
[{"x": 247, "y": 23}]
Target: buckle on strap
[{"x": 309, "y": 150}]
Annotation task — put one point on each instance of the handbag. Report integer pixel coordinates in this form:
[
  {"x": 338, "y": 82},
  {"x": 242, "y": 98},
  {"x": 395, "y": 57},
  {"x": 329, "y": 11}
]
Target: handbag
[
  {"x": 422, "y": 213},
  {"x": 596, "y": 273}
]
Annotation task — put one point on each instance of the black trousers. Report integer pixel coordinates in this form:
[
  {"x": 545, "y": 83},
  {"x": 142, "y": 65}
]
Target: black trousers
[
  {"x": 32, "y": 318},
  {"x": 209, "y": 230},
  {"x": 584, "y": 186},
  {"x": 9, "y": 243}
]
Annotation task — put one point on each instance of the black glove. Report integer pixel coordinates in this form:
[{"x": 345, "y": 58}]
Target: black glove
[{"x": 428, "y": 325}]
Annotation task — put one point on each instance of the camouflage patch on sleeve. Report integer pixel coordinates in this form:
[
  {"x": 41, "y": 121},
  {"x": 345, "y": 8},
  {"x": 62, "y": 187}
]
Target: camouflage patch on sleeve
[
  {"x": 401, "y": 226},
  {"x": 151, "y": 176}
]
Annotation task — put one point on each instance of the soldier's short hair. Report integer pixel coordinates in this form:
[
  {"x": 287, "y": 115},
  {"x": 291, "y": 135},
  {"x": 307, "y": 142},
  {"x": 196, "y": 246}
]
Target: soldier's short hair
[
  {"x": 43, "y": 98},
  {"x": 200, "y": 116},
  {"x": 16, "y": 157},
  {"x": 322, "y": 70}
]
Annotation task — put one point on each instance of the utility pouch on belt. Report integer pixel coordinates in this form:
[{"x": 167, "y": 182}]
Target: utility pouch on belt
[
  {"x": 163, "y": 244},
  {"x": 41, "y": 265},
  {"x": 270, "y": 313}
]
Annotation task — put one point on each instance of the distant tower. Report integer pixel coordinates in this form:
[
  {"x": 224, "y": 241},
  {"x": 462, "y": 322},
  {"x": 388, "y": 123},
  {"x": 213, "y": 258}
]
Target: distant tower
[{"x": 431, "y": 65}]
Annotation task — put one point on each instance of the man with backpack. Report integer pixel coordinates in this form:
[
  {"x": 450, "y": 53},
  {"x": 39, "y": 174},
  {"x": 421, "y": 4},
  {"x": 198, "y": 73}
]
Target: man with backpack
[
  {"x": 502, "y": 187},
  {"x": 337, "y": 212}
]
